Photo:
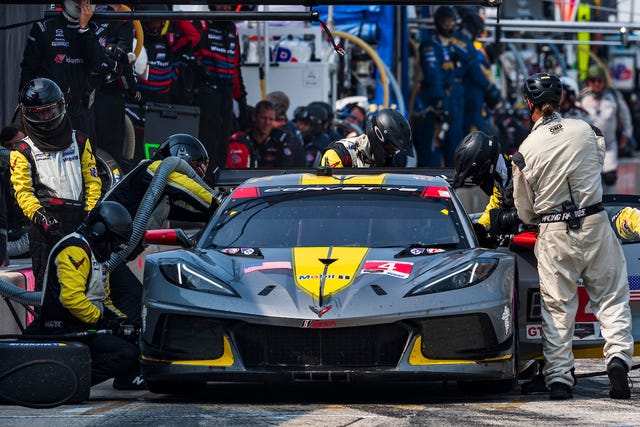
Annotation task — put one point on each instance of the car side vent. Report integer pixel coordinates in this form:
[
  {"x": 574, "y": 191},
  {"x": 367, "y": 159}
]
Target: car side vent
[
  {"x": 378, "y": 290},
  {"x": 266, "y": 291}
]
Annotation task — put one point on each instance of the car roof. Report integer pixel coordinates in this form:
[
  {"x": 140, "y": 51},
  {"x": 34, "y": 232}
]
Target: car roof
[{"x": 346, "y": 179}]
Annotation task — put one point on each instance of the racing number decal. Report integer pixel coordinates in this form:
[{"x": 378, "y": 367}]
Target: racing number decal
[{"x": 401, "y": 270}]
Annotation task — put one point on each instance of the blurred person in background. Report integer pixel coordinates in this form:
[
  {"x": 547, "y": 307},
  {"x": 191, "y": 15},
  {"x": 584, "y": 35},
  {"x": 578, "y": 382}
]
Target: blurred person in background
[{"x": 608, "y": 112}]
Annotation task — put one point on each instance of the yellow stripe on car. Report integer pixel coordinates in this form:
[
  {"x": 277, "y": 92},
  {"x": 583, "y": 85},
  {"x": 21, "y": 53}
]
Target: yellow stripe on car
[{"x": 336, "y": 266}]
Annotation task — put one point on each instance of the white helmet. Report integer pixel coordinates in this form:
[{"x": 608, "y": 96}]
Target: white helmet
[{"x": 569, "y": 84}]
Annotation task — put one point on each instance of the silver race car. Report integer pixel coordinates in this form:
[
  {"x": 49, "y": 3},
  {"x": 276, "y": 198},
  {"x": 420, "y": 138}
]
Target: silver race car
[{"x": 344, "y": 276}]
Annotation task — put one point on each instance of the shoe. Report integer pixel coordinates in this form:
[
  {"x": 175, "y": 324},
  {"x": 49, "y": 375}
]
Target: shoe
[
  {"x": 534, "y": 386},
  {"x": 130, "y": 383},
  {"x": 617, "y": 372},
  {"x": 560, "y": 391}
]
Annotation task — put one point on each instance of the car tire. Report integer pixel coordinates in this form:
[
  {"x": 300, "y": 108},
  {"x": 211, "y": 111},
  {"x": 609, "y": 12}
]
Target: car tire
[
  {"x": 175, "y": 387},
  {"x": 108, "y": 169}
]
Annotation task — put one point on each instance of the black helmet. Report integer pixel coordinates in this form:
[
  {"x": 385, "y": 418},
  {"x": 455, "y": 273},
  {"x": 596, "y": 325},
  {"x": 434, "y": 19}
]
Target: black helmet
[
  {"x": 476, "y": 158},
  {"x": 472, "y": 22},
  {"x": 441, "y": 14},
  {"x": 42, "y": 104},
  {"x": 108, "y": 227},
  {"x": 187, "y": 147},
  {"x": 543, "y": 87},
  {"x": 390, "y": 130},
  {"x": 327, "y": 108}
]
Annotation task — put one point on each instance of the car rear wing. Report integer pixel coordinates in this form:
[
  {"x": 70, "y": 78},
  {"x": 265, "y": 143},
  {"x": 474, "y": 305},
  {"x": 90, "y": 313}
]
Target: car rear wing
[{"x": 234, "y": 177}]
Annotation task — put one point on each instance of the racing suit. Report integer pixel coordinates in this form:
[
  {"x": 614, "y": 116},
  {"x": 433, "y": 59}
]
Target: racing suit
[
  {"x": 56, "y": 49},
  {"x": 560, "y": 161},
  {"x": 610, "y": 113},
  {"x": 64, "y": 183},
  {"x": 111, "y": 90},
  {"x": 352, "y": 152},
  {"x": 183, "y": 199},
  {"x": 76, "y": 299},
  {"x": 277, "y": 151},
  {"x": 443, "y": 61},
  {"x": 163, "y": 52},
  {"x": 220, "y": 83}
]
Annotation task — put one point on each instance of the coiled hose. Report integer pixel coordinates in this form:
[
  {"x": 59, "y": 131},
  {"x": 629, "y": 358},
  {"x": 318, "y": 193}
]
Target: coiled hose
[{"x": 150, "y": 200}]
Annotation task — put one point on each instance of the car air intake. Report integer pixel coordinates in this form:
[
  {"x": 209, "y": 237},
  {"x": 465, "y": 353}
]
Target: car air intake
[
  {"x": 468, "y": 336},
  {"x": 272, "y": 346},
  {"x": 187, "y": 338}
]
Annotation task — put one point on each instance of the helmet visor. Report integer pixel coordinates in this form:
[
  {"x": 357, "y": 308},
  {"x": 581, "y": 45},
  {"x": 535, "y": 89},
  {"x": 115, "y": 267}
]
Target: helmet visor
[
  {"x": 200, "y": 168},
  {"x": 44, "y": 113}
]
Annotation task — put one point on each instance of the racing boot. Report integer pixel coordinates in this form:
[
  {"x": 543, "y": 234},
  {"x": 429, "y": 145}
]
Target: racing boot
[
  {"x": 559, "y": 391},
  {"x": 617, "y": 372}
]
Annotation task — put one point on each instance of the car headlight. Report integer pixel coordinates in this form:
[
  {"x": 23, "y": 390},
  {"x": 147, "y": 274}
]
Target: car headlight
[
  {"x": 461, "y": 277},
  {"x": 188, "y": 277}
]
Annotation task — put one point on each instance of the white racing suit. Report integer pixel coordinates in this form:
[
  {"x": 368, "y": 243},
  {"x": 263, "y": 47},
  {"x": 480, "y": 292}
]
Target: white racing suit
[
  {"x": 353, "y": 152},
  {"x": 560, "y": 161}
]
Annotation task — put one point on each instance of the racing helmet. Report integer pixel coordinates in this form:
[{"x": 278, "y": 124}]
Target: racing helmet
[
  {"x": 471, "y": 21},
  {"x": 542, "y": 87},
  {"x": 42, "y": 104},
  {"x": 441, "y": 14},
  {"x": 187, "y": 147},
  {"x": 327, "y": 108},
  {"x": 475, "y": 158},
  {"x": 108, "y": 228},
  {"x": 390, "y": 130}
]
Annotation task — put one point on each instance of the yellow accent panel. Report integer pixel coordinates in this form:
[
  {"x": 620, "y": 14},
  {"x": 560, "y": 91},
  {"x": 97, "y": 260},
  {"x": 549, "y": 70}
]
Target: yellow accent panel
[
  {"x": 309, "y": 179},
  {"x": 416, "y": 357},
  {"x": 225, "y": 360},
  {"x": 309, "y": 271}
]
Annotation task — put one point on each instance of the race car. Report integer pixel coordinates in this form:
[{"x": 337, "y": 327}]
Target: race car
[{"x": 335, "y": 276}]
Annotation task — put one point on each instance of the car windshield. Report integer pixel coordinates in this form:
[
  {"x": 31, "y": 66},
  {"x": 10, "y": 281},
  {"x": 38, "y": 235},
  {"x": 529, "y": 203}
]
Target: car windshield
[{"x": 366, "y": 219}]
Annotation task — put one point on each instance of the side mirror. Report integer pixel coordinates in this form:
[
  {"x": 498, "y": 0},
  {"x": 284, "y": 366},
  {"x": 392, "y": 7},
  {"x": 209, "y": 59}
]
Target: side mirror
[{"x": 168, "y": 236}]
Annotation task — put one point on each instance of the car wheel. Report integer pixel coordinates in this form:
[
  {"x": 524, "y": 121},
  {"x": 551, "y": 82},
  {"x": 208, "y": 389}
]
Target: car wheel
[
  {"x": 175, "y": 387},
  {"x": 108, "y": 169}
]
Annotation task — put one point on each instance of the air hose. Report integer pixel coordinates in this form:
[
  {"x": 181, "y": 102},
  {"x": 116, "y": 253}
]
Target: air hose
[{"x": 150, "y": 200}]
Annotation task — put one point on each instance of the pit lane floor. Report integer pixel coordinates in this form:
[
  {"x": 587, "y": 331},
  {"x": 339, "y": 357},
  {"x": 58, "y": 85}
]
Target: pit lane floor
[{"x": 323, "y": 405}]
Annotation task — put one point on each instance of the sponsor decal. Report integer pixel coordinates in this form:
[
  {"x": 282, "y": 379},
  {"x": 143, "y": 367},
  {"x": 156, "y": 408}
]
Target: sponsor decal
[
  {"x": 247, "y": 251},
  {"x": 271, "y": 265},
  {"x": 422, "y": 251},
  {"x": 318, "y": 324},
  {"x": 93, "y": 172},
  {"x": 59, "y": 58},
  {"x": 323, "y": 276},
  {"x": 584, "y": 331},
  {"x": 389, "y": 268},
  {"x": 59, "y": 43}
]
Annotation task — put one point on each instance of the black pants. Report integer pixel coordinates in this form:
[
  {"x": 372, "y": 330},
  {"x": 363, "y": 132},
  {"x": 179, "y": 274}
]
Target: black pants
[
  {"x": 126, "y": 292},
  {"x": 112, "y": 356},
  {"x": 41, "y": 242},
  {"x": 82, "y": 119},
  {"x": 109, "y": 117},
  {"x": 216, "y": 115}
]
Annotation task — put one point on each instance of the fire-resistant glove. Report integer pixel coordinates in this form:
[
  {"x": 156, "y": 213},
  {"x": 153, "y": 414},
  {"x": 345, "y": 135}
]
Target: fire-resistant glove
[{"x": 47, "y": 222}]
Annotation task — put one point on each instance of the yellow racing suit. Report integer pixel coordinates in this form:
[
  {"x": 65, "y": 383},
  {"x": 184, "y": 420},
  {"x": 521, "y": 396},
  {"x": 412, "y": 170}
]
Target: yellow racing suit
[
  {"x": 76, "y": 299},
  {"x": 64, "y": 183},
  {"x": 560, "y": 161}
]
